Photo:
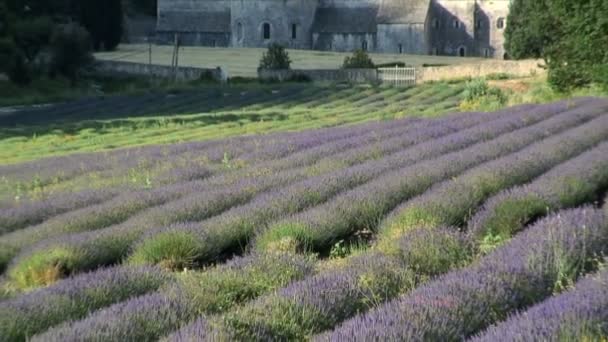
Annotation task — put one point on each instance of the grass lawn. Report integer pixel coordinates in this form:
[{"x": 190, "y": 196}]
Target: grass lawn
[{"x": 243, "y": 62}]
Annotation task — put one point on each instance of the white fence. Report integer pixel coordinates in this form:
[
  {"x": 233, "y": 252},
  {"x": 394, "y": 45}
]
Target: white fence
[{"x": 398, "y": 76}]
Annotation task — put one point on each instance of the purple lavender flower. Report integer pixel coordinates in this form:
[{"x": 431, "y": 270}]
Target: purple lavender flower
[
  {"x": 363, "y": 207},
  {"x": 571, "y": 183},
  {"x": 31, "y": 313},
  {"x": 543, "y": 259},
  {"x": 577, "y": 315},
  {"x": 451, "y": 202}
]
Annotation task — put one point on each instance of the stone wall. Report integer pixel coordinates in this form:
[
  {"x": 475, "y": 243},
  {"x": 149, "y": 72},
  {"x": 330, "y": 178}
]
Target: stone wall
[
  {"x": 402, "y": 38},
  {"x": 249, "y": 17},
  {"x": 116, "y": 68},
  {"x": 333, "y": 75},
  {"x": 483, "y": 69}
]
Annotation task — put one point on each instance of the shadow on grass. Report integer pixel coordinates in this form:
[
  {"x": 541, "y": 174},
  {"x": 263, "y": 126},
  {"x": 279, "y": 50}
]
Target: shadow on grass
[{"x": 198, "y": 107}]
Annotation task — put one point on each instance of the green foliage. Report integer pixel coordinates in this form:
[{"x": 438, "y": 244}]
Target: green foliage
[
  {"x": 600, "y": 76},
  {"x": 529, "y": 29},
  {"x": 145, "y": 6},
  {"x": 18, "y": 69},
  {"x": 172, "y": 251},
  {"x": 104, "y": 21},
  {"x": 478, "y": 95},
  {"x": 32, "y": 35},
  {"x": 359, "y": 60},
  {"x": 276, "y": 58},
  {"x": 71, "y": 51},
  {"x": 567, "y": 34},
  {"x": 431, "y": 252}
]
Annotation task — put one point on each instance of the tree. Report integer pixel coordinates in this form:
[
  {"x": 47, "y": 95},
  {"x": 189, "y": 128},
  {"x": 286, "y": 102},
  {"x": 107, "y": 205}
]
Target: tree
[
  {"x": 32, "y": 34},
  {"x": 359, "y": 60},
  {"x": 104, "y": 21},
  {"x": 575, "y": 58},
  {"x": 276, "y": 58},
  {"x": 530, "y": 29},
  {"x": 569, "y": 35},
  {"x": 71, "y": 51}
]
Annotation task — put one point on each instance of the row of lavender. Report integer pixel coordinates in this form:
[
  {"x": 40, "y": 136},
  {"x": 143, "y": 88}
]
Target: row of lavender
[
  {"x": 65, "y": 168},
  {"x": 91, "y": 249},
  {"x": 121, "y": 207},
  {"x": 366, "y": 278},
  {"x": 338, "y": 310},
  {"x": 324, "y": 292}
]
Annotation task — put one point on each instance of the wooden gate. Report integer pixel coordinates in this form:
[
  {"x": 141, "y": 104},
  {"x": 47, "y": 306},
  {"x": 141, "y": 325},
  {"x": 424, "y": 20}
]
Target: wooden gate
[{"x": 398, "y": 76}]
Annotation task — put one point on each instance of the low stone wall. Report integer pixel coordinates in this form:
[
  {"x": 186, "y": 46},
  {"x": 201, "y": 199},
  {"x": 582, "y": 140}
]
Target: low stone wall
[
  {"x": 117, "y": 68},
  {"x": 321, "y": 75},
  {"x": 481, "y": 69}
]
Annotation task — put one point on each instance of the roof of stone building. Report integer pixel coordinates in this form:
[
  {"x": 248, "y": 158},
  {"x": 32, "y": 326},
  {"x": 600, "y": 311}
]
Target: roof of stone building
[
  {"x": 403, "y": 11},
  {"x": 345, "y": 20},
  {"x": 189, "y": 21}
]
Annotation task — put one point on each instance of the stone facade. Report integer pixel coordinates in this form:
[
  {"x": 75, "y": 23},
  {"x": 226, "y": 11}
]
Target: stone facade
[{"x": 441, "y": 27}]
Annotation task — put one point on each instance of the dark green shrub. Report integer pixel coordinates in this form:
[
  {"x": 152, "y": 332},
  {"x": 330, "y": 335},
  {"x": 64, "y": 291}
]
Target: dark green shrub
[
  {"x": 359, "y": 60},
  {"x": 32, "y": 35},
  {"x": 601, "y": 75},
  {"x": 276, "y": 58},
  {"x": 71, "y": 51}
]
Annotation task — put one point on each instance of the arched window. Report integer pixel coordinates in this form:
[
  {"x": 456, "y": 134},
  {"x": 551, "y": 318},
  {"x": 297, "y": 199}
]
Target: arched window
[
  {"x": 456, "y": 23},
  {"x": 500, "y": 23},
  {"x": 462, "y": 51},
  {"x": 239, "y": 32},
  {"x": 364, "y": 45},
  {"x": 266, "y": 31}
]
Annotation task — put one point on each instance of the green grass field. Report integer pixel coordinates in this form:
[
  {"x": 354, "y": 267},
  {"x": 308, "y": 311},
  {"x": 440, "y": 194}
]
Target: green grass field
[
  {"x": 208, "y": 112},
  {"x": 243, "y": 62}
]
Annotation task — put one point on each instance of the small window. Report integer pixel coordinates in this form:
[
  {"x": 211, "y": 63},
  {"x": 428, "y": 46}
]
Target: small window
[
  {"x": 294, "y": 31},
  {"x": 500, "y": 24},
  {"x": 266, "y": 31},
  {"x": 479, "y": 23},
  {"x": 456, "y": 23},
  {"x": 486, "y": 53},
  {"x": 400, "y": 48},
  {"x": 239, "y": 32},
  {"x": 364, "y": 45},
  {"x": 435, "y": 23}
]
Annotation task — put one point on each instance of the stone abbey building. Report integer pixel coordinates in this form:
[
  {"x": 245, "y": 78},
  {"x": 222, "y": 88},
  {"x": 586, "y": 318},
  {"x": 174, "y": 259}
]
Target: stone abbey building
[{"x": 436, "y": 27}]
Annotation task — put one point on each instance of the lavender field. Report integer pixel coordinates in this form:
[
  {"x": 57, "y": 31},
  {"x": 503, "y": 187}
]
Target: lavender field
[{"x": 472, "y": 226}]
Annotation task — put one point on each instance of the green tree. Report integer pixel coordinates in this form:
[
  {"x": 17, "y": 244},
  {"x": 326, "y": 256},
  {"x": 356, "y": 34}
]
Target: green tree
[
  {"x": 32, "y": 34},
  {"x": 276, "y": 58},
  {"x": 71, "y": 51},
  {"x": 104, "y": 21},
  {"x": 359, "y": 60},
  {"x": 580, "y": 53},
  {"x": 530, "y": 29}
]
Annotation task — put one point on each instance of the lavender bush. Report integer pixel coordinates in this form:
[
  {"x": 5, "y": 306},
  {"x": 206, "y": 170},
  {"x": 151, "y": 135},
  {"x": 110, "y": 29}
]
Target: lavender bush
[
  {"x": 152, "y": 316},
  {"x": 363, "y": 207},
  {"x": 577, "y": 181},
  {"x": 24, "y": 316},
  {"x": 544, "y": 259},
  {"x": 34, "y": 212},
  {"x": 580, "y": 314},
  {"x": 211, "y": 238},
  {"x": 451, "y": 202}
]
